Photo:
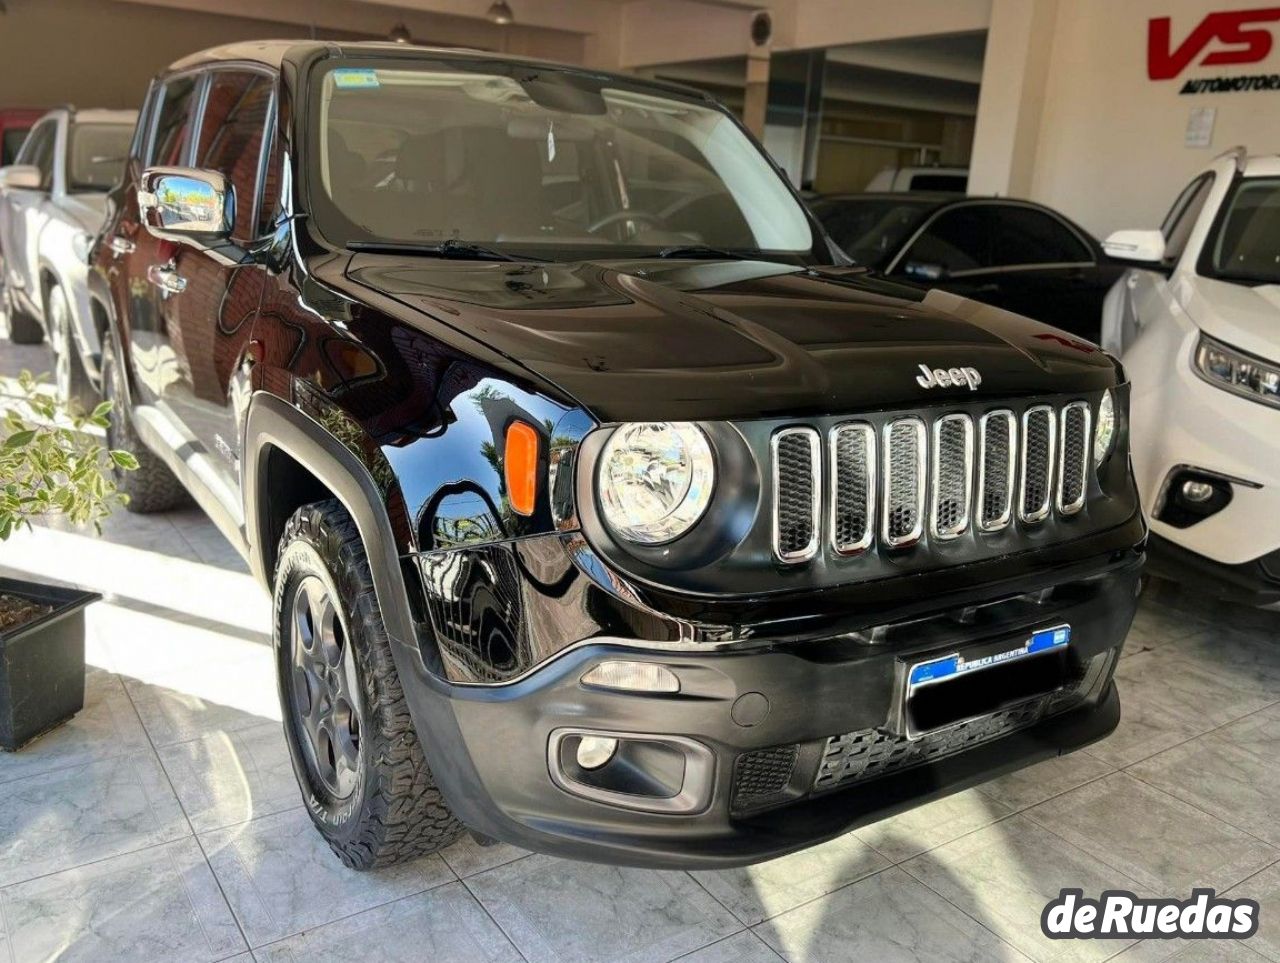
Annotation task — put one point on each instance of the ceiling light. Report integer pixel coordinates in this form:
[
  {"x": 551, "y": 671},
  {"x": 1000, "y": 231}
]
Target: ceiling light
[
  {"x": 500, "y": 13},
  {"x": 400, "y": 34}
]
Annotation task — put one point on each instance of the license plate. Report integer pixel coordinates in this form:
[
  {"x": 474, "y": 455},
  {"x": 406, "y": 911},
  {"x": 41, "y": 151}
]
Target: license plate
[
  {"x": 950, "y": 689},
  {"x": 953, "y": 665}
]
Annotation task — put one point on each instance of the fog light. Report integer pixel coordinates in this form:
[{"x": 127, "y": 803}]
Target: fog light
[
  {"x": 1197, "y": 491},
  {"x": 595, "y": 751},
  {"x": 632, "y": 677}
]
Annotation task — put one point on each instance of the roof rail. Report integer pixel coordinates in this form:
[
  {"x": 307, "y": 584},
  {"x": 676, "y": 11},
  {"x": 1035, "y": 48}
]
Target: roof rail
[{"x": 1239, "y": 154}]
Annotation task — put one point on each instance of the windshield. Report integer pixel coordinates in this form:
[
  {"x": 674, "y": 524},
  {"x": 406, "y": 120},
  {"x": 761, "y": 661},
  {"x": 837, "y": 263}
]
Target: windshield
[
  {"x": 1245, "y": 245},
  {"x": 96, "y": 159},
  {"x": 539, "y": 163},
  {"x": 871, "y": 230}
]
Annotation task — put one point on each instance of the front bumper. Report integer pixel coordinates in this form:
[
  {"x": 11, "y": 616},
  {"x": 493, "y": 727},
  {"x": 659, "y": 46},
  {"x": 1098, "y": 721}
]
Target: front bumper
[
  {"x": 1255, "y": 582},
  {"x": 808, "y": 702}
]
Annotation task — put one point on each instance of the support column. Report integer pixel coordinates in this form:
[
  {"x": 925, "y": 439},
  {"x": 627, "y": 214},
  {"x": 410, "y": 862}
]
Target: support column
[
  {"x": 1014, "y": 72},
  {"x": 793, "y": 119},
  {"x": 756, "y": 99}
]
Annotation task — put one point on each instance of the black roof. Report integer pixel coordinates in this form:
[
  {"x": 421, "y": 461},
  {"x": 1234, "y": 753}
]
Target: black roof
[{"x": 273, "y": 53}]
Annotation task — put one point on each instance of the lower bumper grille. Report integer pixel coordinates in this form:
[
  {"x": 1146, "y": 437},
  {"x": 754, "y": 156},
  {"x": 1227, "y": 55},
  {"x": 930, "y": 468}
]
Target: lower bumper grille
[{"x": 871, "y": 752}]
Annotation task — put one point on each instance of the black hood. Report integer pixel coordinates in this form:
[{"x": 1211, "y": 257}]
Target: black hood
[{"x": 681, "y": 340}]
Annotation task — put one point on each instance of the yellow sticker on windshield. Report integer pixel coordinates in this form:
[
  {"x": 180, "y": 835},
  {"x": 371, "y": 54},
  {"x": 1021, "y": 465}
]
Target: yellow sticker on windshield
[{"x": 353, "y": 78}]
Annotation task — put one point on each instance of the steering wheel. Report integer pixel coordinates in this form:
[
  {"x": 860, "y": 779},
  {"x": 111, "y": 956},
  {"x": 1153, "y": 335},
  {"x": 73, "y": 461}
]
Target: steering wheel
[{"x": 617, "y": 216}]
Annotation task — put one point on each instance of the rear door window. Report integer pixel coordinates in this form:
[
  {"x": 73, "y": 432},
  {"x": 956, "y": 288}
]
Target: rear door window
[
  {"x": 1024, "y": 236},
  {"x": 233, "y": 136},
  {"x": 956, "y": 240},
  {"x": 172, "y": 135}
]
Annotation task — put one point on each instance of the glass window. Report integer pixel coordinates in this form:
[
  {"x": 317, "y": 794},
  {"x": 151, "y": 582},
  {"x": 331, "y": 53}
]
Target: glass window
[
  {"x": 871, "y": 231},
  {"x": 1182, "y": 218},
  {"x": 96, "y": 157},
  {"x": 1023, "y": 235},
  {"x": 38, "y": 151},
  {"x": 958, "y": 239},
  {"x": 10, "y": 143},
  {"x": 173, "y": 124},
  {"x": 546, "y": 161},
  {"x": 1245, "y": 243},
  {"x": 231, "y": 137}
]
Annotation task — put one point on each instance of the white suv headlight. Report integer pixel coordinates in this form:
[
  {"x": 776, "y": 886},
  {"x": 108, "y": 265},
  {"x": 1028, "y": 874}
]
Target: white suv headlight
[
  {"x": 1238, "y": 372},
  {"x": 655, "y": 480},
  {"x": 1104, "y": 429}
]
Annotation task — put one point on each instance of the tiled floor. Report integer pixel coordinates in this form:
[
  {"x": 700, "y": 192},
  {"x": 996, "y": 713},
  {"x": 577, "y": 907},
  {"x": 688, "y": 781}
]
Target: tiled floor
[{"x": 163, "y": 822}]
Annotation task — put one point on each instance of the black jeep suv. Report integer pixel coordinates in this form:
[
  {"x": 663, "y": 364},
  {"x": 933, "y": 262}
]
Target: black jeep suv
[{"x": 607, "y": 511}]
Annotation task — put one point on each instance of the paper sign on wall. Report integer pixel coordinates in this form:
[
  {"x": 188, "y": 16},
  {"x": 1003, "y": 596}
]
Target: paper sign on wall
[{"x": 1200, "y": 127}]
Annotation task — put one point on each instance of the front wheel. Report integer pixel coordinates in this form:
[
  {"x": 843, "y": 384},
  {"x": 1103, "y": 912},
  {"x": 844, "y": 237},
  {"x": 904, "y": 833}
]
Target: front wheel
[
  {"x": 69, "y": 377},
  {"x": 356, "y": 755}
]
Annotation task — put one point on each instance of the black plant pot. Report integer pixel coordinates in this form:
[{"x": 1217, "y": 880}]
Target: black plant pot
[{"x": 41, "y": 663}]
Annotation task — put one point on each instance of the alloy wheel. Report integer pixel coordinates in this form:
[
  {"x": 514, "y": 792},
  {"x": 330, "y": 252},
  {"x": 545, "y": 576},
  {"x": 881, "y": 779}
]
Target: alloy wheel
[
  {"x": 60, "y": 343},
  {"x": 324, "y": 688}
]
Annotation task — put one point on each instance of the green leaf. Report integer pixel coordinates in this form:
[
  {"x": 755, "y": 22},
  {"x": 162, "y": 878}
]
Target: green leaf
[
  {"x": 124, "y": 460},
  {"x": 20, "y": 439}
]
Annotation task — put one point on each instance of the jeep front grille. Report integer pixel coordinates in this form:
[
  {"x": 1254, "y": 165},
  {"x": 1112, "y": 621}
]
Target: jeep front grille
[
  {"x": 853, "y": 487},
  {"x": 952, "y": 475},
  {"x": 887, "y": 480},
  {"x": 796, "y": 498},
  {"x": 1037, "y": 463},
  {"x": 1073, "y": 465},
  {"x": 998, "y": 432},
  {"x": 904, "y": 471}
]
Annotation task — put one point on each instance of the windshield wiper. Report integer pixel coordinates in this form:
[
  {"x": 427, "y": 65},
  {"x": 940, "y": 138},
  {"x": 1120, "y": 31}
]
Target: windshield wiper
[
  {"x": 700, "y": 250},
  {"x": 452, "y": 249}
]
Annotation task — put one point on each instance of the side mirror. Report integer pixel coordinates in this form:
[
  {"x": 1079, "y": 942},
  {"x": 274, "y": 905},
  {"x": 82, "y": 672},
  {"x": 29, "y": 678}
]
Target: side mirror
[
  {"x": 186, "y": 204},
  {"x": 1141, "y": 248},
  {"x": 21, "y": 176}
]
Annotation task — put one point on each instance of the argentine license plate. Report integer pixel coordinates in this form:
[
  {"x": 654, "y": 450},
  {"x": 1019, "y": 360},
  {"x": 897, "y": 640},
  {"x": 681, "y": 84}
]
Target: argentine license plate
[{"x": 949, "y": 689}]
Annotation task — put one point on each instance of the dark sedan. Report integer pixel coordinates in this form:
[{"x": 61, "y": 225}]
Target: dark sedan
[{"x": 1013, "y": 254}]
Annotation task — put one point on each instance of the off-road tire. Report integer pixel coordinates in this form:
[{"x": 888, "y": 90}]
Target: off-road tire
[
  {"x": 395, "y": 812},
  {"x": 151, "y": 487},
  {"x": 23, "y": 327}
]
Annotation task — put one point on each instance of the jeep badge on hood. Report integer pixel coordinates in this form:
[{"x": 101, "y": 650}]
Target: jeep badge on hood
[{"x": 948, "y": 377}]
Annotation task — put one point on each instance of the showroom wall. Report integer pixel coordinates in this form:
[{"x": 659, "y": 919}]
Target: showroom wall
[
  {"x": 1103, "y": 141},
  {"x": 104, "y": 59}
]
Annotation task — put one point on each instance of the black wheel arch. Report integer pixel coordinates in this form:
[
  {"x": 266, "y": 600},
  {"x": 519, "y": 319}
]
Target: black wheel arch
[{"x": 288, "y": 460}]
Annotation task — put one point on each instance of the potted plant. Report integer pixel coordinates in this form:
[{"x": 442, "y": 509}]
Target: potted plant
[{"x": 49, "y": 465}]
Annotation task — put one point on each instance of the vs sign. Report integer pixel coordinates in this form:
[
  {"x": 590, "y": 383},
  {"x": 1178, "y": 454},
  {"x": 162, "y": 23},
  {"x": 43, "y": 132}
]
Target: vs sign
[{"x": 1226, "y": 35}]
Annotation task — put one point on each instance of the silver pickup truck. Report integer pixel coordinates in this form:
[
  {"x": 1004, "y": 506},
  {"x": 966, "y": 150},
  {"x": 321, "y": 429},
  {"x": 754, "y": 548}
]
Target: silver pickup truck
[{"x": 52, "y": 204}]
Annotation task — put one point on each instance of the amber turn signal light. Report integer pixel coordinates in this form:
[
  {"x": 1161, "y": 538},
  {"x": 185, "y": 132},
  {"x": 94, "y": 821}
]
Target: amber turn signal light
[{"x": 521, "y": 466}]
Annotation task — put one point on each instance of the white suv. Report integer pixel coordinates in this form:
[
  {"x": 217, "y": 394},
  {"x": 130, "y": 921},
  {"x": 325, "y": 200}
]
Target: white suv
[{"x": 1197, "y": 325}]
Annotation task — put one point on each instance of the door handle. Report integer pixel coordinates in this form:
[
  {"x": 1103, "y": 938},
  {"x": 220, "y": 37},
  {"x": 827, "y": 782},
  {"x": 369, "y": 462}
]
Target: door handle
[
  {"x": 121, "y": 246},
  {"x": 166, "y": 279}
]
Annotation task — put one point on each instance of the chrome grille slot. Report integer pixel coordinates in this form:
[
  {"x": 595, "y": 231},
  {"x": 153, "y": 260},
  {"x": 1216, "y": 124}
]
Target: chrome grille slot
[
  {"x": 998, "y": 442},
  {"x": 1038, "y": 442},
  {"x": 1076, "y": 420},
  {"x": 853, "y": 487},
  {"x": 902, "y": 511},
  {"x": 795, "y": 494},
  {"x": 952, "y": 467}
]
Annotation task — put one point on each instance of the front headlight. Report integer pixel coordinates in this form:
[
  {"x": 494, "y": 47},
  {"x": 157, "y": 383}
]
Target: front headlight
[
  {"x": 655, "y": 480},
  {"x": 81, "y": 244},
  {"x": 1237, "y": 372},
  {"x": 1104, "y": 429}
]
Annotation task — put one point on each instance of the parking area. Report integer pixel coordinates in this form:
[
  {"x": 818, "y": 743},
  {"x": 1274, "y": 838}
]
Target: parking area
[{"x": 164, "y": 822}]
